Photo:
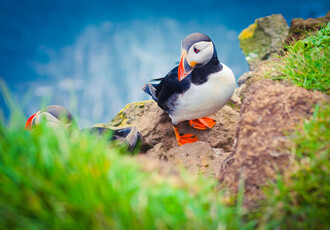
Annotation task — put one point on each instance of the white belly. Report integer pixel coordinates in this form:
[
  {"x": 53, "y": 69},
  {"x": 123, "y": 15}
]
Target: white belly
[{"x": 205, "y": 99}]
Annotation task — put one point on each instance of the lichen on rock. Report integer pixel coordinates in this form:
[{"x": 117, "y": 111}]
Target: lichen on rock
[
  {"x": 248, "y": 32},
  {"x": 121, "y": 118},
  {"x": 263, "y": 38}
]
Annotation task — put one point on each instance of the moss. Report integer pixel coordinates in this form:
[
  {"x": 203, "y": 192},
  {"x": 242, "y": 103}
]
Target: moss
[{"x": 234, "y": 106}]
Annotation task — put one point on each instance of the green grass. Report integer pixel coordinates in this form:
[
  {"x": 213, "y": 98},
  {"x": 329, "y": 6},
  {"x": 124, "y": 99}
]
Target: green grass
[
  {"x": 307, "y": 64},
  {"x": 52, "y": 180},
  {"x": 301, "y": 198}
]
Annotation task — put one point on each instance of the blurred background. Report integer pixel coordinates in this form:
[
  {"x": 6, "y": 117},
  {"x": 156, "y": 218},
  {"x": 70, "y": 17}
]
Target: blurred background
[{"x": 93, "y": 57}]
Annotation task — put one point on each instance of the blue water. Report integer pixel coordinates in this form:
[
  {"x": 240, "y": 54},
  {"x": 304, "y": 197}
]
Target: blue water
[{"x": 93, "y": 57}]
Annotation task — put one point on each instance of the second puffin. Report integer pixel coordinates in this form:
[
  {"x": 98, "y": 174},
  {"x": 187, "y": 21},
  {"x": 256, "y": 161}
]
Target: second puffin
[{"x": 198, "y": 87}]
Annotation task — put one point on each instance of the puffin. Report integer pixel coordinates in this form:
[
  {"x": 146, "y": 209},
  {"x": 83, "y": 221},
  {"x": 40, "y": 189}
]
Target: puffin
[
  {"x": 55, "y": 115},
  {"x": 198, "y": 87}
]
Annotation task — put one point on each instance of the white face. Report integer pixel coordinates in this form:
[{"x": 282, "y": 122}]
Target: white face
[
  {"x": 200, "y": 53},
  {"x": 50, "y": 119}
]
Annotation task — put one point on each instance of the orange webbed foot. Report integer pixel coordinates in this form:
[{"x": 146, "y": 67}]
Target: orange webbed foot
[
  {"x": 187, "y": 138},
  {"x": 184, "y": 139},
  {"x": 202, "y": 123}
]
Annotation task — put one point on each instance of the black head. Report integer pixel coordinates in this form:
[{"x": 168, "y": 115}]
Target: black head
[{"x": 196, "y": 51}]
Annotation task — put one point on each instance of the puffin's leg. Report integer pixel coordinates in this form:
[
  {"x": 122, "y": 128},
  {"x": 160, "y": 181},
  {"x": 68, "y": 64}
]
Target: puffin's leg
[
  {"x": 184, "y": 139},
  {"x": 202, "y": 123}
]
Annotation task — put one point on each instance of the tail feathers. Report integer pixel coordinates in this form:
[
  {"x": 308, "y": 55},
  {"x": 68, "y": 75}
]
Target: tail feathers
[
  {"x": 151, "y": 90},
  {"x": 157, "y": 79}
]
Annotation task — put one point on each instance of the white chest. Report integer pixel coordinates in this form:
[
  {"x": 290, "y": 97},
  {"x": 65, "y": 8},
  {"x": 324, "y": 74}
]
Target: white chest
[{"x": 205, "y": 99}]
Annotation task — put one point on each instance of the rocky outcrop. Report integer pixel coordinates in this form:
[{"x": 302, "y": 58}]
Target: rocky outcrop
[
  {"x": 251, "y": 40},
  {"x": 299, "y": 27},
  {"x": 263, "y": 38},
  {"x": 259, "y": 42},
  {"x": 159, "y": 141},
  {"x": 269, "y": 113},
  {"x": 264, "y": 69}
]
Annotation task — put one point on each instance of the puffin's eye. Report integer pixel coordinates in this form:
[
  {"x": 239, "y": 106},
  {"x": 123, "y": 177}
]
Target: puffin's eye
[{"x": 196, "y": 50}]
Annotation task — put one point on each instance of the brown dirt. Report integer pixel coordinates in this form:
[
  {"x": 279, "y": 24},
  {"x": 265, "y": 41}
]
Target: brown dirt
[
  {"x": 159, "y": 141},
  {"x": 270, "y": 111}
]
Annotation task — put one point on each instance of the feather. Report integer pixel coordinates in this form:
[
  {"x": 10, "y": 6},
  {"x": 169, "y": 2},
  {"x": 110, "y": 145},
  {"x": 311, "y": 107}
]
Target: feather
[{"x": 151, "y": 90}]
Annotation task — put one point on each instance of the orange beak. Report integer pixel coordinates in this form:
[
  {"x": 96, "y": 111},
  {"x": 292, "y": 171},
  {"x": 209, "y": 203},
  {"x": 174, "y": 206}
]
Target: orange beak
[
  {"x": 28, "y": 124},
  {"x": 184, "y": 67}
]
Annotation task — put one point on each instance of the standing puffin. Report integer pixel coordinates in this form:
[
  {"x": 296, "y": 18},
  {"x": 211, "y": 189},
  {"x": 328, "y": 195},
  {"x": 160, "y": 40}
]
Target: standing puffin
[
  {"x": 198, "y": 87},
  {"x": 56, "y": 115}
]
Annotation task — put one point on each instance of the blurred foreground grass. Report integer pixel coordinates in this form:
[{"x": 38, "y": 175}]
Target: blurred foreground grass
[{"x": 50, "y": 179}]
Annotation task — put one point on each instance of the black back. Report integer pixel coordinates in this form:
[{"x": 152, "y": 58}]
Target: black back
[{"x": 169, "y": 87}]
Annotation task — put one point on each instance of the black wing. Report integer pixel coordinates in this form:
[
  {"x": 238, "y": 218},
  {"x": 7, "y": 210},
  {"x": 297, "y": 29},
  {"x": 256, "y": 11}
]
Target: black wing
[
  {"x": 164, "y": 92},
  {"x": 169, "y": 87}
]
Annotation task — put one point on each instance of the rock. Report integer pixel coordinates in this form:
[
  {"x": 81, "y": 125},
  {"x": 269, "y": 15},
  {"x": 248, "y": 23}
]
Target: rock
[
  {"x": 160, "y": 170},
  {"x": 150, "y": 120},
  {"x": 155, "y": 165},
  {"x": 235, "y": 100},
  {"x": 159, "y": 140},
  {"x": 262, "y": 71},
  {"x": 269, "y": 112},
  {"x": 198, "y": 157},
  {"x": 246, "y": 76},
  {"x": 299, "y": 28},
  {"x": 263, "y": 38}
]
